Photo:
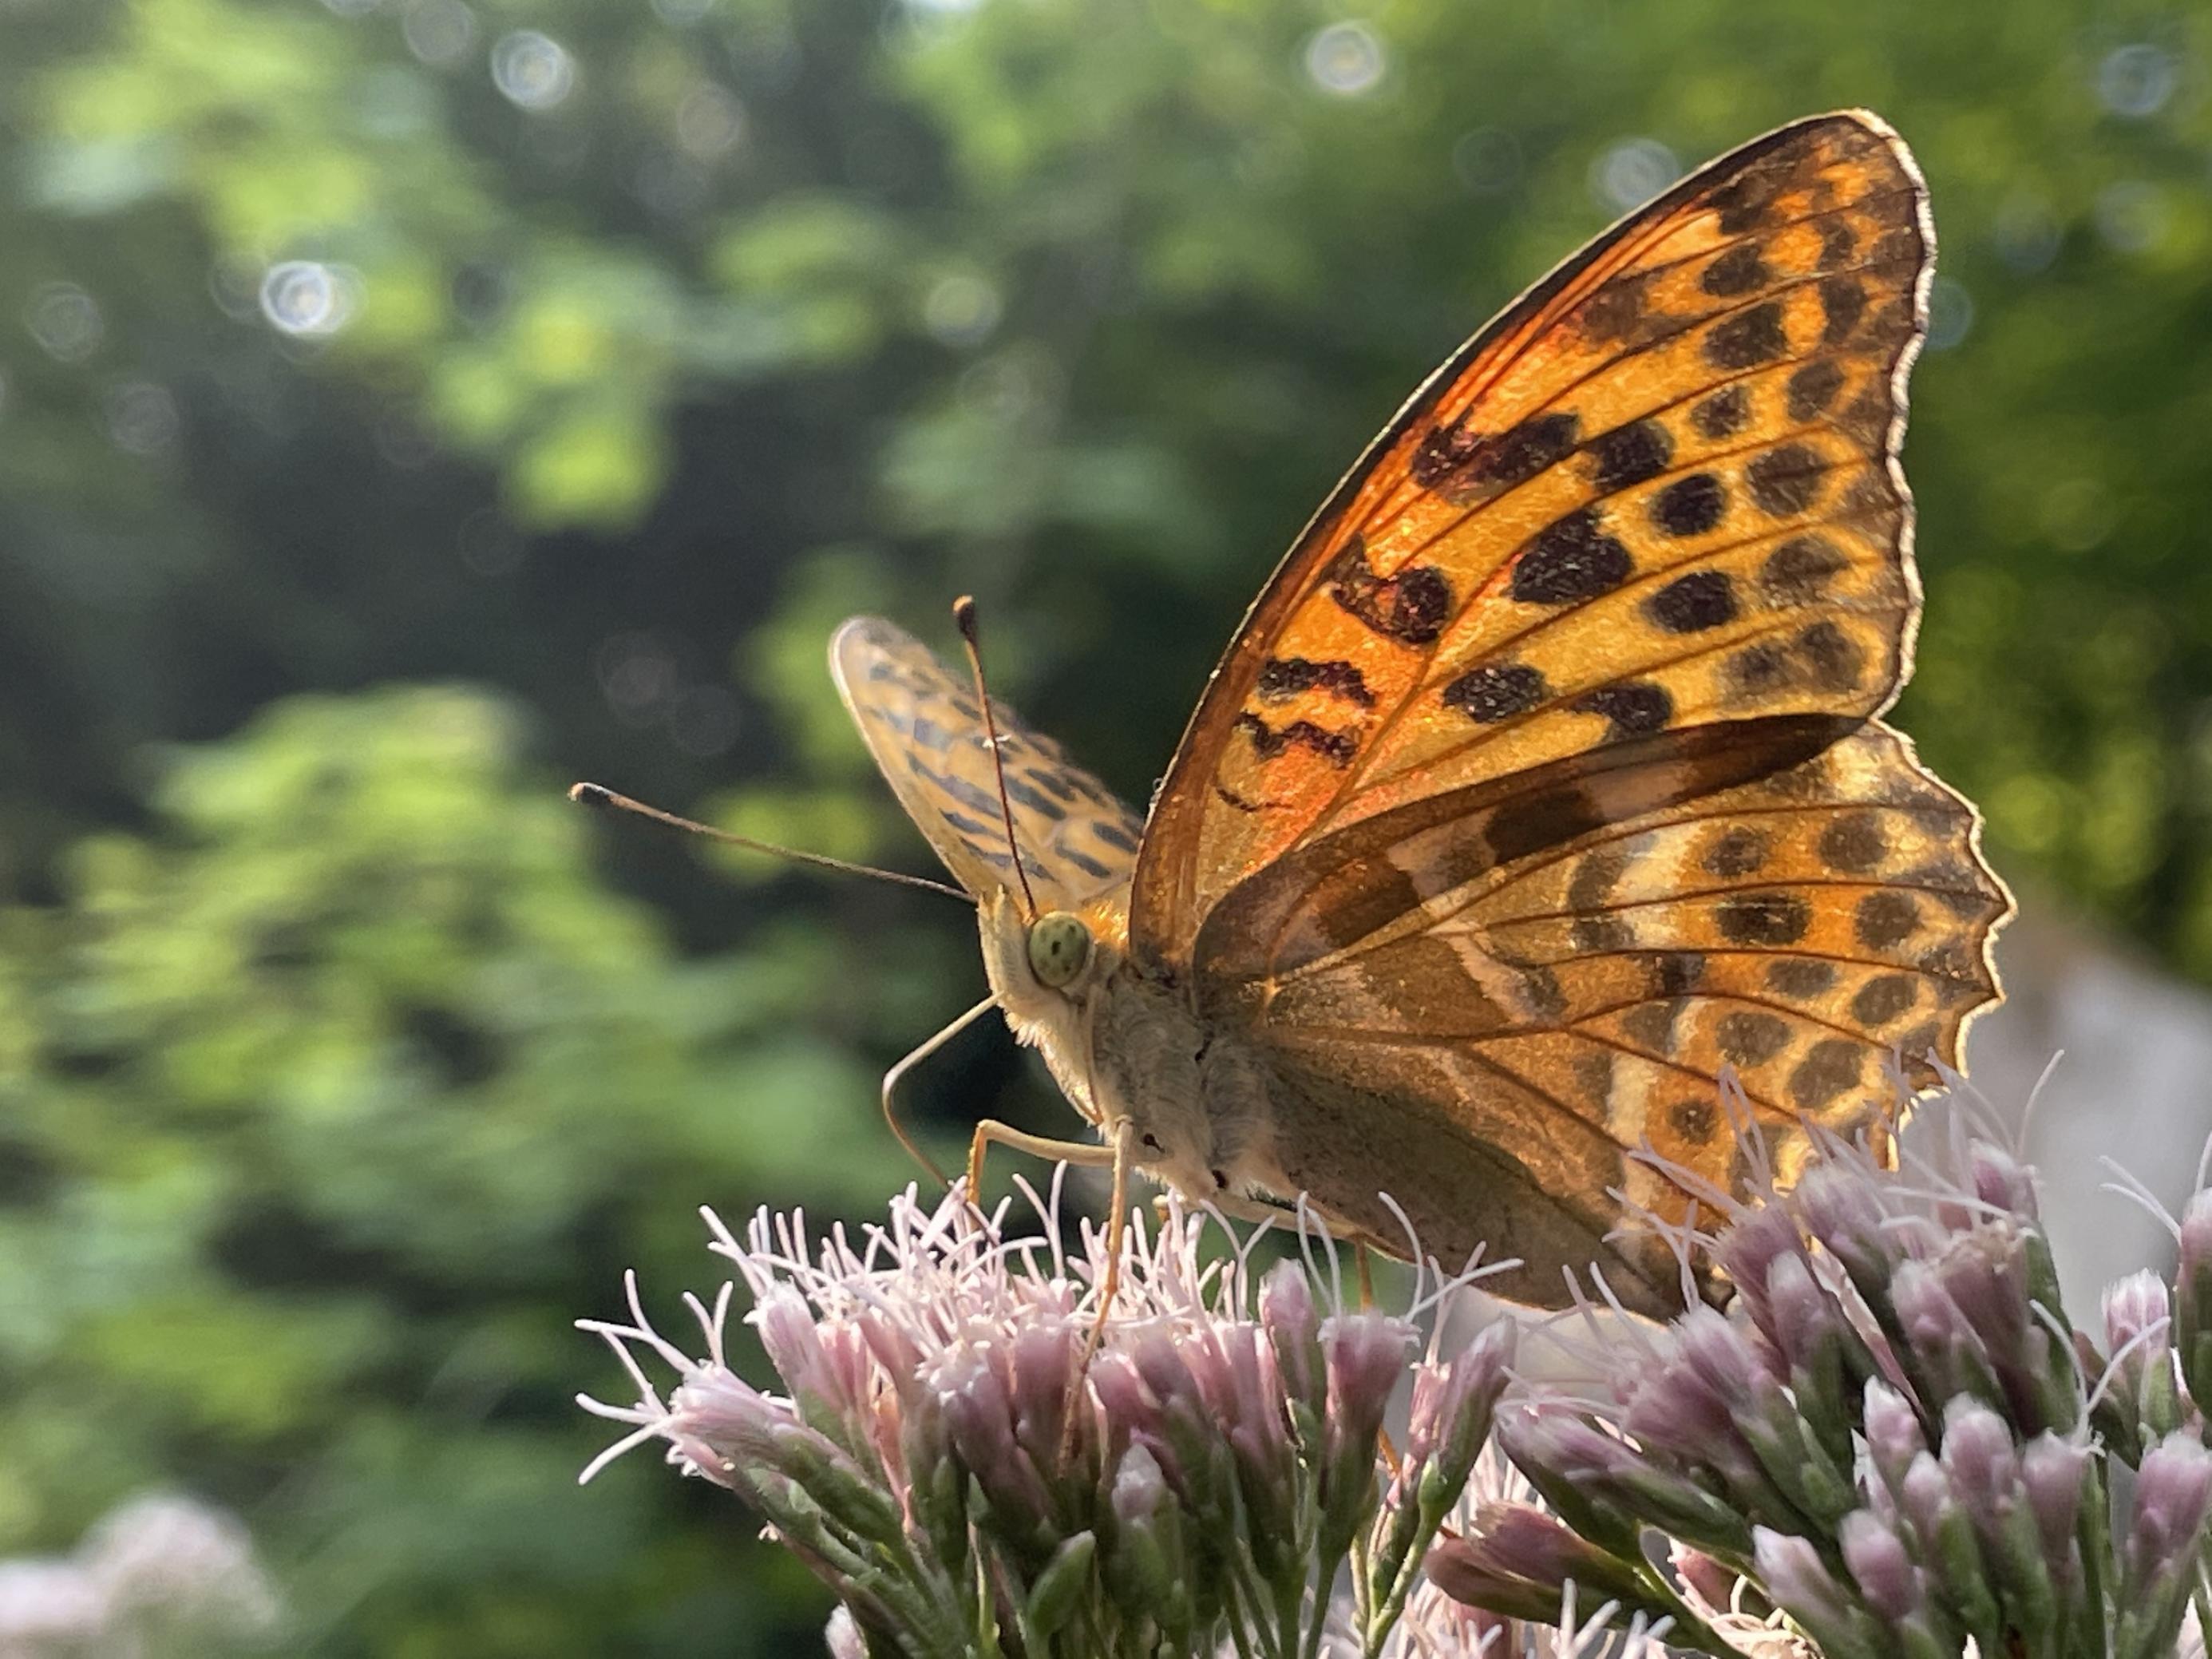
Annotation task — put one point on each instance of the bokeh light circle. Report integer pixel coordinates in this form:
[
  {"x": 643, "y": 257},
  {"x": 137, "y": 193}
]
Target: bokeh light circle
[
  {"x": 1630, "y": 172},
  {"x": 2136, "y": 81},
  {"x": 962, "y": 309},
  {"x": 65, "y": 321},
  {"x": 307, "y": 298},
  {"x": 1346, "y": 60},
  {"x": 438, "y": 32},
  {"x": 1950, "y": 313},
  {"x": 532, "y": 70}
]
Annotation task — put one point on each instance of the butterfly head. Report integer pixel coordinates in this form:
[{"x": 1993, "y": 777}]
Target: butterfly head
[
  {"x": 1040, "y": 966},
  {"x": 1061, "y": 949},
  {"x": 1050, "y": 973}
]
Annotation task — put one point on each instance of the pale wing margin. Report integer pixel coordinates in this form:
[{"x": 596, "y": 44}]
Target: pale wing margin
[{"x": 922, "y": 723}]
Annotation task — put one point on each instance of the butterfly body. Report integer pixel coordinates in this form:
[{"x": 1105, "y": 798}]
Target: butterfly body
[
  {"x": 1544, "y": 785},
  {"x": 1127, "y": 1045}
]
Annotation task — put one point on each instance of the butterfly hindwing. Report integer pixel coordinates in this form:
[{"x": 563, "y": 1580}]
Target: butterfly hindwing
[
  {"x": 1561, "y": 1005},
  {"x": 926, "y": 731},
  {"x": 1661, "y": 491}
]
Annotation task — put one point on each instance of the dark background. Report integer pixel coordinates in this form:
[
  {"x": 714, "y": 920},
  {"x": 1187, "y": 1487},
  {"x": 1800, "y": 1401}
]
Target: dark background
[{"x": 407, "y": 406}]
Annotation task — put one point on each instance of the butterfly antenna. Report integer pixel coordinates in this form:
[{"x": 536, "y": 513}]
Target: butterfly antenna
[
  {"x": 598, "y": 795},
  {"x": 963, "y": 614}
]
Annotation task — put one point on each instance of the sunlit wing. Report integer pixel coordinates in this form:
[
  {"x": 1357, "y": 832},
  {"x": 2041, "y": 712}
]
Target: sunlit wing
[
  {"x": 1659, "y": 493},
  {"x": 1557, "y": 999},
  {"x": 922, "y": 723}
]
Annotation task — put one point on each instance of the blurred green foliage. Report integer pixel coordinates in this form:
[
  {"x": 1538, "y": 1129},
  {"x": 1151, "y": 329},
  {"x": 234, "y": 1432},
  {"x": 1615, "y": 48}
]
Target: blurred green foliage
[
  {"x": 327, "y": 1104},
  {"x": 606, "y": 355}
]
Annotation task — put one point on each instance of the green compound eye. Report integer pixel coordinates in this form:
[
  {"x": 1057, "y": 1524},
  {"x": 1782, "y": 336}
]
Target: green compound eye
[{"x": 1059, "y": 948}]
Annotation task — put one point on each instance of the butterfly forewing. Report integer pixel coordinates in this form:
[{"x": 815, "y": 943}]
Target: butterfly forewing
[
  {"x": 1660, "y": 492},
  {"x": 924, "y": 727}
]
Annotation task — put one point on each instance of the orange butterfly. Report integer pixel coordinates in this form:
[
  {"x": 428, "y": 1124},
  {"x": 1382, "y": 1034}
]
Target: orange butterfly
[{"x": 1543, "y": 782}]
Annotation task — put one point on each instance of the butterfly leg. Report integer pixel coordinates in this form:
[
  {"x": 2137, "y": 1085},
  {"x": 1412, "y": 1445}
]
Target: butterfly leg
[
  {"x": 1117, "y": 1231},
  {"x": 1110, "y": 1285},
  {"x": 897, "y": 1075},
  {"x": 991, "y": 1133}
]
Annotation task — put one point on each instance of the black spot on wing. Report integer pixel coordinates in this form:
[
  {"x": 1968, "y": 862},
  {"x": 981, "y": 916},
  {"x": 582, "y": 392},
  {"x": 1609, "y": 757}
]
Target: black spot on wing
[
  {"x": 1570, "y": 560},
  {"x": 1051, "y": 785},
  {"x": 972, "y": 796},
  {"x": 1650, "y": 1025},
  {"x": 1690, "y": 506},
  {"x": 1801, "y": 978},
  {"x": 1284, "y": 678},
  {"x": 1854, "y": 843},
  {"x": 1748, "y": 338},
  {"x": 1749, "y": 1037},
  {"x": 1089, "y": 865},
  {"x": 1832, "y": 1068},
  {"x": 1785, "y": 480},
  {"x": 1411, "y": 607},
  {"x": 1459, "y": 464},
  {"x": 1740, "y": 851},
  {"x": 1885, "y": 920},
  {"x": 1842, "y": 303},
  {"x": 1739, "y": 270},
  {"x": 1629, "y": 454},
  {"x": 1496, "y": 692},
  {"x": 1882, "y": 1000},
  {"x": 1797, "y": 571},
  {"x": 1337, "y": 748},
  {"x": 1632, "y": 708},
  {"x": 1031, "y": 800},
  {"x": 1763, "y": 918},
  {"x": 1723, "y": 415},
  {"x": 1812, "y": 388},
  {"x": 1691, "y": 604}
]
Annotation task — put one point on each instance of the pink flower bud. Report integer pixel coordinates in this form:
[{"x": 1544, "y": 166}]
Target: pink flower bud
[
  {"x": 716, "y": 1418},
  {"x": 1293, "y": 1328},
  {"x": 1978, "y": 1457},
  {"x": 1999, "y": 1178},
  {"x": 786, "y": 1324},
  {"x": 1750, "y": 1249},
  {"x": 1893, "y": 1432},
  {"x": 2053, "y": 1470},
  {"x": 1365, "y": 1354},
  {"x": 1452, "y": 1403},
  {"x": 2173, "y": 1493},
  {"x": 1792, "y": 1572},
  {"x": 842, "y": 1635},
  {"x": 1710, "y": 1581},
  {"x": 1881, "y": 1565},
  {"x": 1044, "y": 1361},
  {"x": 1841, "y": 1205},
  {"x": 979, "y": 1419},
  {"x": 2136, "y": 1308},
  {"x": 1515, "y": 1559}
]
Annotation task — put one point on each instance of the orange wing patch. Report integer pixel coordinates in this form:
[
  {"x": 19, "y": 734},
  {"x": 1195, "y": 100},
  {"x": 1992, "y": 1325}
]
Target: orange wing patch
[{"x": 1660, "y": 492}]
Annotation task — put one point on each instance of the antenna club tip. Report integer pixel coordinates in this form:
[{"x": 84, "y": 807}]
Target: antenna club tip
[
  {"x": 590, "y": 794},
  {"x": 963, "y": 616}
]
